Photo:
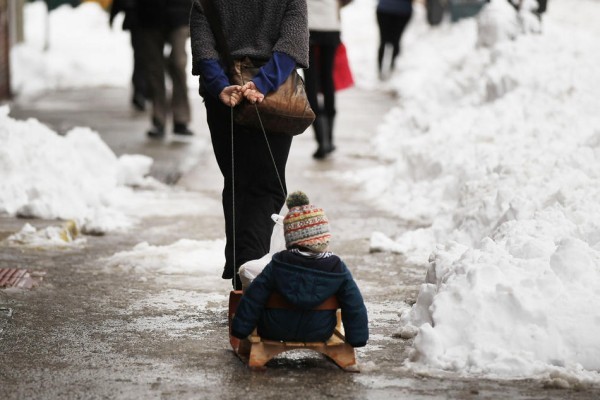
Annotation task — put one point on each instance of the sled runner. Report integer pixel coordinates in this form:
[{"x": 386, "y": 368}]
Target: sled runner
[{"x": 256, "y": 352}]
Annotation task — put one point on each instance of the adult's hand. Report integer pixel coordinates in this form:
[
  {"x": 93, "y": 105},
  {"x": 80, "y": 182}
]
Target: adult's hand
[
  {"x": 231, "y": 95},
  {"x": 251, "y": 93}
]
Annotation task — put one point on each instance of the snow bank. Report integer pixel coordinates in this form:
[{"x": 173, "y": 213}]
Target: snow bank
[
  {"x": 494, "y": 148},
  {"x": 76, "y": 176}
]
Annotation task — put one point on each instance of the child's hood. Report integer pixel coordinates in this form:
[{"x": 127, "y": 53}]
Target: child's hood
[{"x": 306, "y": 288}]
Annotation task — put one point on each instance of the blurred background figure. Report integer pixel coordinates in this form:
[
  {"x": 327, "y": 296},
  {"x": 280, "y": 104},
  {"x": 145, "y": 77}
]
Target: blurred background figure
[
  {"x": 435, "y": 11},
  {"x": 324, "y": 27},
  {"x": 166, "y": 22},
  {"x": 538, "y": 7},
  {"x": 392, "y": 18},
  {"x": 131, "y": 23}
]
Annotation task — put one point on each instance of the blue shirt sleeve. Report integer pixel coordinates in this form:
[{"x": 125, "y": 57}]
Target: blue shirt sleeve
[
  {"x": 270, "y": 76},
  {"x": 274, "y": 73},
  {"x": 213, "y": 77}
]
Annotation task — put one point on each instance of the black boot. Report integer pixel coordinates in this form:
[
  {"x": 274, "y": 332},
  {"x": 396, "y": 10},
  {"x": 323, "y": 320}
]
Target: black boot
[
  {"x": 182, "y": 129},
  {"x": 237, "y": 285},
  {"x": 139, "y": 101},
  {"x": 329, "y": 141},
  {"x": 157, "y": 130},
  {"x": 227, "y": 272},
  {"x": 321, "y": 136}
]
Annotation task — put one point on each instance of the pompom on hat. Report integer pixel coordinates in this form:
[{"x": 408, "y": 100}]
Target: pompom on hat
[{"x": 305, "y": 225}]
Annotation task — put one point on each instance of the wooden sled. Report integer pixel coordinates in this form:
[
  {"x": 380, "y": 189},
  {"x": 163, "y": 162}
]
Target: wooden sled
[{"x": 256, "y": 352}]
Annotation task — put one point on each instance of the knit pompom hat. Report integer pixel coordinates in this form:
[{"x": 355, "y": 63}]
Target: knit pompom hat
[{"x": 305, "y": 225}]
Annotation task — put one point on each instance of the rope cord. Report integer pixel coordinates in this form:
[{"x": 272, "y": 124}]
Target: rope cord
[
  {"x": 233, "y": 200},
  {"x": 233, "y": 179},
  {"x": 270, "y": 152}
]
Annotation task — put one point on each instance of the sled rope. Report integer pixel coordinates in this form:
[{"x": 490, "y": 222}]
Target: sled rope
[
  {"x": 262, "y": 127},
  {"x": 233, "y": 201},
  {"x": 270, "y": 152}
]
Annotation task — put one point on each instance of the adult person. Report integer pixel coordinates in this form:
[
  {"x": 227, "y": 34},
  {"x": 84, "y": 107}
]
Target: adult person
[
  {"x": 166, "y": 22},
  {"x": 274, "y": 32},
  {"x": 392, "y": 18},
  {"x": 324, "y": 26},
  {"x": 131, "y": 24}
]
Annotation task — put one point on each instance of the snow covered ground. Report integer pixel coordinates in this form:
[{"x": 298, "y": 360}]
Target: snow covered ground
[{"x": 492, "y": 151}]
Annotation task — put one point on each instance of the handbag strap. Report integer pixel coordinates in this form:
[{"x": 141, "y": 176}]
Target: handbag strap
[{"x": 214, "y": 21}]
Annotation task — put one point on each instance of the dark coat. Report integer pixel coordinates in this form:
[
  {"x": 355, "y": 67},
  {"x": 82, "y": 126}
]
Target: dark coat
[
  {"x": 305, "y": 283},
  {"x": 164, "y": 14},
  {"x": 395, "y": 7},
  {"x": 253, "y": 28}
]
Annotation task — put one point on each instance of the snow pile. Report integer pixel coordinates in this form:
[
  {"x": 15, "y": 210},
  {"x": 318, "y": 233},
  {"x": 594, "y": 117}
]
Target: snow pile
[
  {"x": 184, "y": 257},
  {"x": 76, "y": 176},
  {"x": 52, "y": 236},
  {"x": 494, "y": 152}
]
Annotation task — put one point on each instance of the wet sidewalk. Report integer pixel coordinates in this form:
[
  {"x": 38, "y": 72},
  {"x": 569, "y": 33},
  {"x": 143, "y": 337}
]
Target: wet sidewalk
[{"x": 92, "y": 332}]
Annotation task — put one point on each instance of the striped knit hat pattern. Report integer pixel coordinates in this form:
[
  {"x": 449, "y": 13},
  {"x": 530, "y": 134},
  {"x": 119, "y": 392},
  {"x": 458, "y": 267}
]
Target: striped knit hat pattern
[{"x": 305, "y": 225}]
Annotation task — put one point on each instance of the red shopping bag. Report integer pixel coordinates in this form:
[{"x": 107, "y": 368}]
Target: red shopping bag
[{"x": 342, "y": 74}]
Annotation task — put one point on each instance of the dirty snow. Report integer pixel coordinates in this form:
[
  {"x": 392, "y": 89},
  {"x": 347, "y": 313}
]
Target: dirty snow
[{"x": 63, "y": 236}]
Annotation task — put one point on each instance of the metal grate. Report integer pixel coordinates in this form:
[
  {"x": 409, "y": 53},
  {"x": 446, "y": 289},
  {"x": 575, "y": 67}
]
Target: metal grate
[{"x": 19, "y": 278}]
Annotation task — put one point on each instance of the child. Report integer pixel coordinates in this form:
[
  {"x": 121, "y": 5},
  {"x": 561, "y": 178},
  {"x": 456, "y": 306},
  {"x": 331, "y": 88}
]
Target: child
[{"x": 305, "y": 274}]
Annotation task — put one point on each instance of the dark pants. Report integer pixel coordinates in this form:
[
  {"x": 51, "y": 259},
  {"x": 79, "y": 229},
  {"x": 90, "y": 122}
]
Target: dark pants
[
  {"x": 391, "y": 27},
  {"x": 542, "y": 5},
  {"x": 175, "y": 64},
  {"x": 258, "y": 192},
  {"x": 319, "y": 78},
  {"x": 138, "y": 78}
]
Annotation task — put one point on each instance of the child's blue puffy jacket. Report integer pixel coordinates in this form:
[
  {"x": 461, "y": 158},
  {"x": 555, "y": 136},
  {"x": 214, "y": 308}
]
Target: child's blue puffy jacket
[{"x": 305, "y": 283}]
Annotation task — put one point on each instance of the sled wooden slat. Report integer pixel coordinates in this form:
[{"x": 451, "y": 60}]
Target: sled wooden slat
[{"x": 256, "y": 352}]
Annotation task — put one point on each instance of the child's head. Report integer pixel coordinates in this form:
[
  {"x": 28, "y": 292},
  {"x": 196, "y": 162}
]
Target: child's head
[{"x": 305, "y": 226}]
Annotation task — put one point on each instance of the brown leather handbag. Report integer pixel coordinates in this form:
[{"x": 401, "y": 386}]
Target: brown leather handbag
[
  {"x": 286, "y": 110},
  {"x": 283, "y": 111}
]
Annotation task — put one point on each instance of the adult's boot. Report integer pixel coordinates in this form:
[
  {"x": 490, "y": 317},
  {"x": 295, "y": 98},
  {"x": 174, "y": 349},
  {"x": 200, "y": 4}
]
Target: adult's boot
[
  {"x": 321, "y": 136},
  {"x": 329, "y": 142}
]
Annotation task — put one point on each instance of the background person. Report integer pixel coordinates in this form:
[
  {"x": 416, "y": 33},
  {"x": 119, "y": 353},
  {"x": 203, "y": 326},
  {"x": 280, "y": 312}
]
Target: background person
[
  {"x": 166, "y": 22},
  {"x": 324, "y": 26},
  {"x": 392, "y": 18},
  {"x": 131, "y": 24}
]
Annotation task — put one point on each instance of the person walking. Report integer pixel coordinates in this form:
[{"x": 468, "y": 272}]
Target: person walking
[
  {"x": 273, "y": 32},
  {"x": 324, "y": 26},
  {"x": 166, "y": 22},
  {"x": 392, "y": 18},
  {"x": 131, "y": 23}
]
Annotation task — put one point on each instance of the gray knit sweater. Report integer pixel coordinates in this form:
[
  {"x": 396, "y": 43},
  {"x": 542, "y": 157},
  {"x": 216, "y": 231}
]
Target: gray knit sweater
[{"x": 253, "y": 28}]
